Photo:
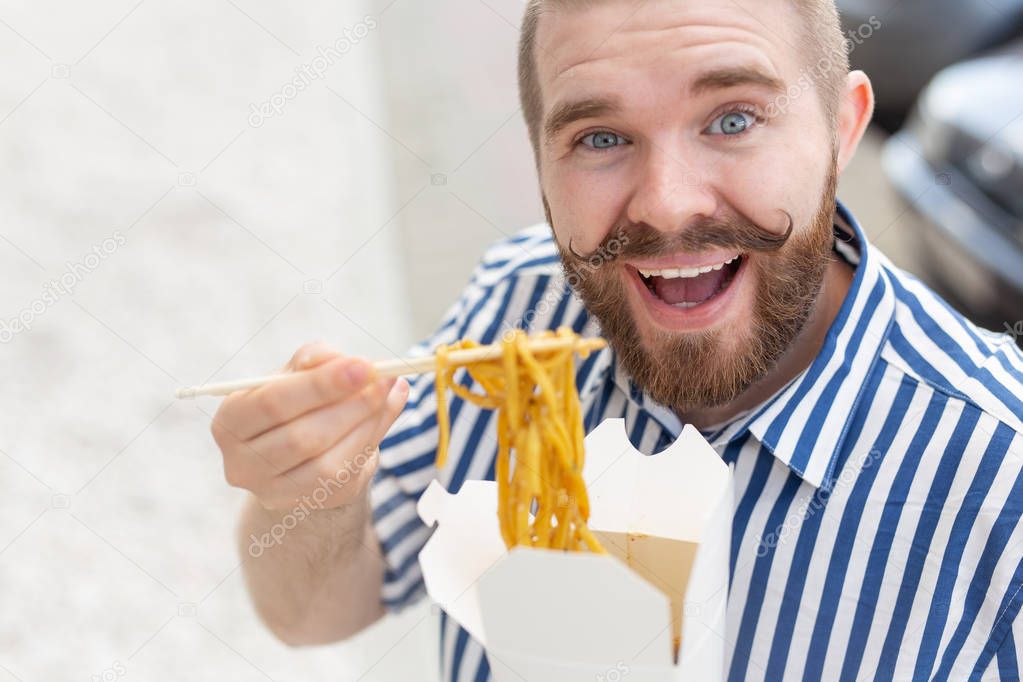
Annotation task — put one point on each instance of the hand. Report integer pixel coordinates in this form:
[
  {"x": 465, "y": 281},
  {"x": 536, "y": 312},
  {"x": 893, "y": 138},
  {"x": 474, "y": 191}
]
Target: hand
[{"x": 314, "y": 435}]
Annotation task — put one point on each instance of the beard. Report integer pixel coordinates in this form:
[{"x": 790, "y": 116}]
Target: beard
[{"x": 695, "y": 370}]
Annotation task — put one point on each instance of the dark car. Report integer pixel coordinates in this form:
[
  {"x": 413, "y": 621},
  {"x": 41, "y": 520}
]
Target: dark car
[
  {"x": 958, "y": 164},
  {"x": 901, "y": 44}
]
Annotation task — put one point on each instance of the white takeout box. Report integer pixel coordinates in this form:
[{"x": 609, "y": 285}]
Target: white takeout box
[{"x": 551, "y": 616}]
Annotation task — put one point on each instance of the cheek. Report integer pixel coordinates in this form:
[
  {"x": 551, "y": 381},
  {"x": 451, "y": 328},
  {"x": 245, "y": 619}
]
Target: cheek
[
  {"x": 585, "y": 204},
  {"x": 789, "y": 180}
]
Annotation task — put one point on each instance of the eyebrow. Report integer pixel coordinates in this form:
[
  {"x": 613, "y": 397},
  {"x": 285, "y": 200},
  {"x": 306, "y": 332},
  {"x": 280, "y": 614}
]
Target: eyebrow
[
  {"x": 719, "y": 79},
  {"x": 568, "y": 113}
]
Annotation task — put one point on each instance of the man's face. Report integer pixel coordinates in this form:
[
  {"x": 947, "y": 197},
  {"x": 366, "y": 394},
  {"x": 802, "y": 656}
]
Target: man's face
[{"x": 663, "y": 173}]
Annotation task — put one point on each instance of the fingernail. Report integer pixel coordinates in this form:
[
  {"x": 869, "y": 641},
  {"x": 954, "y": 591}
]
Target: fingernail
[{"x": 357, "y": 372}]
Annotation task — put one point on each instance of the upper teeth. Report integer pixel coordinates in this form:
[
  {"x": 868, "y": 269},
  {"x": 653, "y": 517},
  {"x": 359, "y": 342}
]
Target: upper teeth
[{"x": 672, "y": 273}]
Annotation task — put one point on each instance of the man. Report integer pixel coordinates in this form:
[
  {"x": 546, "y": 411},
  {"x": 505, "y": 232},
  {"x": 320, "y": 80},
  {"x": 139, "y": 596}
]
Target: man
[{"x": 688, "y": 152}]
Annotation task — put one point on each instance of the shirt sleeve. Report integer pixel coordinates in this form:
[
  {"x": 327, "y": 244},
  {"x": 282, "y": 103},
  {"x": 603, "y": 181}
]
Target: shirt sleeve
[
  {"x": 407, "y": 453},
  {"x": 495, "y": 297}
]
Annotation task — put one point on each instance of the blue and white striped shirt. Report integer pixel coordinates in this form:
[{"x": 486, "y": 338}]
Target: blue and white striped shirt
[{"x": 878, "y": 495}]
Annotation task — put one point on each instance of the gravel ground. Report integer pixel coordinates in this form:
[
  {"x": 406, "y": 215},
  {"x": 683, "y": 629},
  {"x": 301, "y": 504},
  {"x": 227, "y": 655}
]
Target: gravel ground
[{"x": 158, "y": 232}]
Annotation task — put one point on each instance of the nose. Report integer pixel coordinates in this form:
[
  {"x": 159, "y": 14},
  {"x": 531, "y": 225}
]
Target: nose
[{"x": 670, "y": 193}]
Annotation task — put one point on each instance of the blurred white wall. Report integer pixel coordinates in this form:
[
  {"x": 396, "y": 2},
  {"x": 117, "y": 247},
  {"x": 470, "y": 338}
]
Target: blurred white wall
[
  {"x": 196, "y": 241},
  {"x": 460, "y": 143}
]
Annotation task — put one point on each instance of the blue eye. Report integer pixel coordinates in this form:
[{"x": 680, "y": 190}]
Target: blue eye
[
  {"x": 732, "y": 123},
  {"x": 602, "y": 140}
]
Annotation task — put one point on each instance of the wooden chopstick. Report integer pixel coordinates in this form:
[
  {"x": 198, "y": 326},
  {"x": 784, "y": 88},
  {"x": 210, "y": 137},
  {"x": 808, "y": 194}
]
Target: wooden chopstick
[{"x": 401, "y": 366}]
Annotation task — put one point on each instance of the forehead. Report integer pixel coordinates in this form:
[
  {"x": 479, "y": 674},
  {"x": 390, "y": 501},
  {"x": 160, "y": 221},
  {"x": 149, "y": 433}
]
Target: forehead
[{"x": 627, "y": 41}]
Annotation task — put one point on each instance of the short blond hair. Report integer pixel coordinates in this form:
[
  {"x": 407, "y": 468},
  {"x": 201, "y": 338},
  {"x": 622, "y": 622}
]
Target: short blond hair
[{"x": 826, "y": 52}]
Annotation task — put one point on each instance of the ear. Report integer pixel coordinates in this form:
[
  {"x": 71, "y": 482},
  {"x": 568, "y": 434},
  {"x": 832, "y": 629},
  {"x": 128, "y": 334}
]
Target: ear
[{"x": 855, "y": 110}]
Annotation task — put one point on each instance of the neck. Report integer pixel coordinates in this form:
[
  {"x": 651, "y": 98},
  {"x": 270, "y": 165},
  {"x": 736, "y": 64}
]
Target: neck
[{"x": 837, "y": 280}]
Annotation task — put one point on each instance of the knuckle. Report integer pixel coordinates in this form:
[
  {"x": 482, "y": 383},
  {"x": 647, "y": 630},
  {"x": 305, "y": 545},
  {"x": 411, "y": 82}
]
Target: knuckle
[
  {"x": 328, "y": 469},
  {"x": 236, "y": 476},
  {"x": 217, "y": 427},
  {"x": 222, "y": 435},
  {"x": 320, "y": 440},
  {"x": 303, "y": 351},
  {"x": 311, "y": 351},
  {"x": 327, "y": 380},
  {"x": 217, "y": 431},
  {"x": 269, "y": 404},
  {"x": 301, "y": 439},
  {"x": 309, "y": 345}
]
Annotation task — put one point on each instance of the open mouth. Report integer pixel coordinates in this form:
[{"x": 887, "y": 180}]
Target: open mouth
[{"x": 690, "y": 287}]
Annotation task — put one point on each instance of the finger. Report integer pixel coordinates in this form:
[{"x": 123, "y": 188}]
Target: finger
[
  {"x": 248, "y": 469},
  {"x": 336, "y": 477},
  {"x": 307, "y": 356},
  {"x": 315, "y": 432},
  {"x": 312, "y": 354},
  {"x": 393, "y": 407},
  {"x": 281, "y": 401},
  {"x": 227, "y": 439}
]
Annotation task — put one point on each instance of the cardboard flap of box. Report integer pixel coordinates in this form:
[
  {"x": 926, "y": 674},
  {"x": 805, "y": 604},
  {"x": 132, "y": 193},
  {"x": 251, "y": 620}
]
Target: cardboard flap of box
[
  {"x": 466, "y": 544},
  {"x": 670, "y": 495},
  {"x": 567, "y": 616},
  {"x": 704, "y": 626}
]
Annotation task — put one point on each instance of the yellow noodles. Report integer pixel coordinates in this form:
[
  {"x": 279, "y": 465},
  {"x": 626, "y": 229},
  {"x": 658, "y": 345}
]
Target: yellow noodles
[{"x": 540, "y": 421}]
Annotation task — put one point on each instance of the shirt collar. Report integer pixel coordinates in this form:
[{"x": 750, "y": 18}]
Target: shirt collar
[{"x": 805, "y": 423}]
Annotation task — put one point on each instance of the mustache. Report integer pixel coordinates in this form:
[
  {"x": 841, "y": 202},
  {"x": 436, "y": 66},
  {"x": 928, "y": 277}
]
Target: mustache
[{"x": 639, "y": 240}]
